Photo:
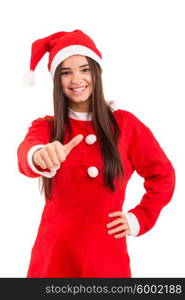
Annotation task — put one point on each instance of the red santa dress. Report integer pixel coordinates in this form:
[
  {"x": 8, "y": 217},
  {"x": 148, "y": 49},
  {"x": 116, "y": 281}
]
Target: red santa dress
[{"x": 72, "y": 239}]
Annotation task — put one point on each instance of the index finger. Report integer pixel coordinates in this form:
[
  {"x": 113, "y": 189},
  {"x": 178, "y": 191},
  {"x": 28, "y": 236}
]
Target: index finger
[
  {"x": 116, "y": 213},
  {"x": 75, "y": 141}
]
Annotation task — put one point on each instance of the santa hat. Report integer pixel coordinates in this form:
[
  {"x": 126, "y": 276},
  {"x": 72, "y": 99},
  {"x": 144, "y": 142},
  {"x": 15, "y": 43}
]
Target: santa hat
[{"x": 60, "y": 45}]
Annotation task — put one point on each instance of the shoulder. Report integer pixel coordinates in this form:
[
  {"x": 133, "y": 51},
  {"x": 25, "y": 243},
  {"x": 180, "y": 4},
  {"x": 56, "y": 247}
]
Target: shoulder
[
  {"x": 41, "y": 122},
  {"x": 124, "y": 116}
]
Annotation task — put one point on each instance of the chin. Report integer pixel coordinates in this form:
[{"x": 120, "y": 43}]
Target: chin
[{"x": 79, "y": 100}]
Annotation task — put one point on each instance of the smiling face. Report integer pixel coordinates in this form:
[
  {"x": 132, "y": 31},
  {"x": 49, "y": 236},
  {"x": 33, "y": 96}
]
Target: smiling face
[{"x": 76, "y": 80}]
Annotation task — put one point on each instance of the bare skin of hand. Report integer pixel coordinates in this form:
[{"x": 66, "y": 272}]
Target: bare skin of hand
[
  {"x": 52, "y": 154},
  {"x": 122, "y": 229}
]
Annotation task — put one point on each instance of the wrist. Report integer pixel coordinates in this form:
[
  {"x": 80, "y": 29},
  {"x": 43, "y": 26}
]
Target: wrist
[{"x": 33, "y": 158}]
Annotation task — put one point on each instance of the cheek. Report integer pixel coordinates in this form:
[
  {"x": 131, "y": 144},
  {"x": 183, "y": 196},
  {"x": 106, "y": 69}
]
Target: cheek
[
  {"x": 64, "y": 83},
  {"x": 89, "y": 80}
]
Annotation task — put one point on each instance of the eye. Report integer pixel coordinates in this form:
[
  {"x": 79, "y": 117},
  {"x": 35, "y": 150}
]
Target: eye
[
  {"x": 65, "y": 73},
  {"x": 86, "y": 69}
]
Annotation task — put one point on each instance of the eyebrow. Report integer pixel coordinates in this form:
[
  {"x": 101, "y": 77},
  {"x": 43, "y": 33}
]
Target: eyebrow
[{"x": 79, "y": 67}]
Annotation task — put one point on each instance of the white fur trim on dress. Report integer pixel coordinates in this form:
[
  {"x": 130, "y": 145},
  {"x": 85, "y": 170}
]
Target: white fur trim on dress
[
  {"x": 87, "y": 116},
  {"x": 73, "y": 50},
  {"x": 34, "y": 169},
  {"x": 133, "y": 224},
  {"x": 82, "y": 116}
]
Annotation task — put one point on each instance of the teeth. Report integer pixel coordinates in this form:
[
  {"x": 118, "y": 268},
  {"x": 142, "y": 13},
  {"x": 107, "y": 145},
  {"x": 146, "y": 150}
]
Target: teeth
[{"x": 79, "y": 89}]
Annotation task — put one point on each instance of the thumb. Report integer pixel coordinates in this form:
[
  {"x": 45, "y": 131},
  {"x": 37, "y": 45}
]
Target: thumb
[{"x": 74, "y": 142}]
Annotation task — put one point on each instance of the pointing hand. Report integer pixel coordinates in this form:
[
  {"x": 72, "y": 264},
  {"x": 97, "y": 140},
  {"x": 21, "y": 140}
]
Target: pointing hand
[{"x": 52, "y": 154}]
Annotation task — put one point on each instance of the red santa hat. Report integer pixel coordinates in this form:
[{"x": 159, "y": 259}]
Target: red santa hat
[{"x": 60, "y": 45}]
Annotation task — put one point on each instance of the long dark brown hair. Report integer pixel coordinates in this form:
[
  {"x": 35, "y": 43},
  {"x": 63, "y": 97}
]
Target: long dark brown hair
[{"x": 105, "y": 125}]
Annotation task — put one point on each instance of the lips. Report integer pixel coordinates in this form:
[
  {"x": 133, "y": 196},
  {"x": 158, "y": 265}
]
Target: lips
[{"x": 78, "y": 89}]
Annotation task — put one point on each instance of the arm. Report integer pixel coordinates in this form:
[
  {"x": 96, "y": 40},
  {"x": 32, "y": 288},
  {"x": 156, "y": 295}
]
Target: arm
[
  {"x": 38, "y": 135},
  {"x": 150, "y": 162}
]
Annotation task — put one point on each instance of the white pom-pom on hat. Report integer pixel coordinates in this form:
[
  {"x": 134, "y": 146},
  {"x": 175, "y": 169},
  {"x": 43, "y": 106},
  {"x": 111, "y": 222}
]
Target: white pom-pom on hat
[{"x": 29, "y": 78}]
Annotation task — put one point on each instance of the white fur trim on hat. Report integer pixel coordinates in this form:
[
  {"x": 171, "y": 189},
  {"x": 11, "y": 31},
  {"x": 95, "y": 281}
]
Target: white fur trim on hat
[{"x": 72, "y": 50}]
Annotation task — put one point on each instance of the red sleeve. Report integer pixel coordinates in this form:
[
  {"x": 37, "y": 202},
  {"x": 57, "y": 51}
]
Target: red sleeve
[
  {"x": 38, "y": 133},
  {"x": 150, "y": 162}
]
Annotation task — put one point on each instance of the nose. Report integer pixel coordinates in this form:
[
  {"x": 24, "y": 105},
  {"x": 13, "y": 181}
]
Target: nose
[{"x": 76, "y": 78}]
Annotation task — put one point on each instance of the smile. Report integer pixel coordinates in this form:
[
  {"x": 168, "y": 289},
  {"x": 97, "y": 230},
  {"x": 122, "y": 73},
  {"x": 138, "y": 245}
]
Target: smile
[{"x": 78, "y": 90}]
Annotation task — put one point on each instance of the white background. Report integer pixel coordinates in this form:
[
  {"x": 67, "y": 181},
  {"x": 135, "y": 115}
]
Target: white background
[{"x": 143, "y": 48}]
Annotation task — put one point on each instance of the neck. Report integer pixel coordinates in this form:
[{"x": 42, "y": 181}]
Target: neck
[
  {"x": 84, "y": 116},
  {"x": 80, "y": 107},
  {"x": 78, "y": 111}
]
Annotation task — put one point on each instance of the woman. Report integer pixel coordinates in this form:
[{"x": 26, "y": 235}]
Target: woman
[{"x": 85, "y": 155}]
